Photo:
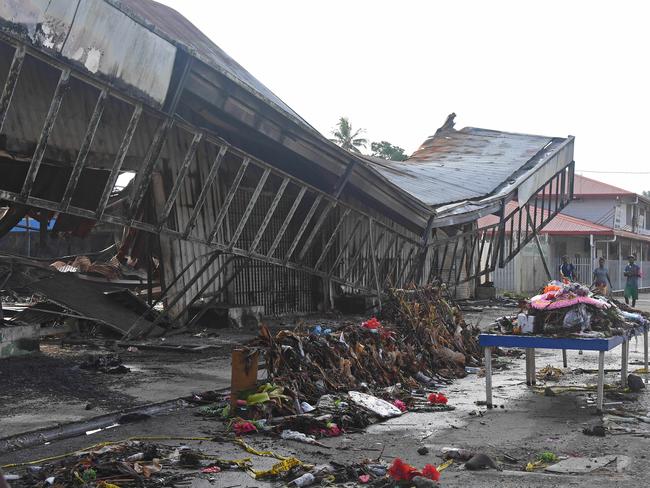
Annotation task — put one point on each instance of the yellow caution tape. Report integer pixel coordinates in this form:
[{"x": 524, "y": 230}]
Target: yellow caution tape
[
  {"x": 99, "y": 445},
  {"x": 239, "y": 441},
  {"x": 445, "y": 465},
  {"x": 277, "y": 469}
]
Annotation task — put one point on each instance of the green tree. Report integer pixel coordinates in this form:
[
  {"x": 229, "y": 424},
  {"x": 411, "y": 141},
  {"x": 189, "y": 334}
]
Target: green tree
[
  {"x": 348, "y": 138},
  {"x": 386, "y": 150},
  {"x": 646, "y": 193}
]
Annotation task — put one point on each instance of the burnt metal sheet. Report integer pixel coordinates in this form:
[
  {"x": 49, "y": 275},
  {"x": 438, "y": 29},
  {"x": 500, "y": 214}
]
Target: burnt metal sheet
[
  {"x": 99, "y": 37},
  {"x": 455, "y": 165},
  {"x": 67, "y": 291},
  {"x": 174, "y": 26}
]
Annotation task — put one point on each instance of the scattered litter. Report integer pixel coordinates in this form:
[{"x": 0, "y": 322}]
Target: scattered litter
[
  {"x": 377, "y": 406},
  {"x": 481, "y": 461}
]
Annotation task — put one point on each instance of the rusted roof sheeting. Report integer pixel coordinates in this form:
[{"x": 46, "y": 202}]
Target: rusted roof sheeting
[
  {"x": 455, "y": 165},
  {"x": 169, "y": 23},
  {"x": 85, "y": 33}
]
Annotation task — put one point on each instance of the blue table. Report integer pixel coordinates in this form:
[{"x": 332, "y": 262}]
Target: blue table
[{"x": 530, "y": 343}]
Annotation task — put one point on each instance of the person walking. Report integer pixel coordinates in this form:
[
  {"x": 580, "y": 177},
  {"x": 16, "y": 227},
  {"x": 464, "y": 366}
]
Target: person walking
[
  {"x": 633, "y": 272},
  {"x": 601, "y": 278},
  {"x": 567, "y": 270}
]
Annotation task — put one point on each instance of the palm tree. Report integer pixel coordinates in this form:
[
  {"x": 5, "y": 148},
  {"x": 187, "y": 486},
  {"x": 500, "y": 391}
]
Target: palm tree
[{"x": 348, "y": 138}]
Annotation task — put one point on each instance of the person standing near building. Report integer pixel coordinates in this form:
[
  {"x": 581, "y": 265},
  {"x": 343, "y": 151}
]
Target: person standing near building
[
  {"x": 601, "y": 278},
  {"x": 567, "y": 270},
  {"x": 633, "y": 273}
]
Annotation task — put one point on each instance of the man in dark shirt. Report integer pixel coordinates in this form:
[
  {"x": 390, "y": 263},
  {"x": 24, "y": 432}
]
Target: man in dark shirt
[
  {"x": 601, "y": 277},
  {"x": 567, "y": 270},
  {"x": 632, "y": 272}
]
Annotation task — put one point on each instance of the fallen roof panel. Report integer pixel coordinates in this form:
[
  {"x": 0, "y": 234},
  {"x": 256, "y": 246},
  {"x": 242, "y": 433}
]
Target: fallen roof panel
[{"x": 455, "y": 165}]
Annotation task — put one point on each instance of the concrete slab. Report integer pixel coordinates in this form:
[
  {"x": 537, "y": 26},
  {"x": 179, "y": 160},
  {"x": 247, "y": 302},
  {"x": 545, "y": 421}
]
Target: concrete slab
[
  {"x": 17, "y": 340},
  {"x": 584, "y": 465}
]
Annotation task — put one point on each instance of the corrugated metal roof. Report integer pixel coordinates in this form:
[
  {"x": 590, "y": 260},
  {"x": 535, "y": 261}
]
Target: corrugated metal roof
[
  {"x": 470, "y": 163},
  {"x": 583, "y": 186},
  {"x": 179, "y": 30}
]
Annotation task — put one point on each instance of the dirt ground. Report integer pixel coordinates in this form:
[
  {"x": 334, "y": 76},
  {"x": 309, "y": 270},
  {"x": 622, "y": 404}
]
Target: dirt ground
[{"x": 525, "y": 423}]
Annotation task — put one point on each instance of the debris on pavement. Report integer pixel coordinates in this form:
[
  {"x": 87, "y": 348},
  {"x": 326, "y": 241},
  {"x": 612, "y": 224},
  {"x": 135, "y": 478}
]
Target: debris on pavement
[{"x": 563, "y": 309}]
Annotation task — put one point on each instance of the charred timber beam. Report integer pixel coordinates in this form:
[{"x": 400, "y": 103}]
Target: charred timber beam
[
  {"x": 119, "y": 160},
  {"x": 249, "y": 208},
  {"x": 149, "y": 163},
  {"x": 228, "y": 200},
  {"x": 303, "y": 227},
  {"x": 344, "y": 247},
  {"x": 10, "y": 83},
  {"x": 398, "y": 255},
  {"x": 269, "y": 214},
  {"x": 373, "y": 258},
  {"x": 48, "y": 125},
  {"x": 356, "y": 257},
  {"x": 367, "y": 262},
  {"x": 180, "y": 178},
  {"x": 332, "y": 238},
  {"x": 287, "y": 220},
  {"x": 80, "y": 162},
  {"x": 205, "y": 191}
]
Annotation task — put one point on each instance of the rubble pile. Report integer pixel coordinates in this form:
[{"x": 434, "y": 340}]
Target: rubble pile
[
  {"x": 422, "y": 340},
  {"x": 571, "y": 308},
  {"x": 120, "y": 464}
]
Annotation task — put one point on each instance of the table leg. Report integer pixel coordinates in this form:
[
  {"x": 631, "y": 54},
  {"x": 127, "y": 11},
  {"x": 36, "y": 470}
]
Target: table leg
[
  {"x": 645, "y": 354},
  {"x": 601, "y": 381},
  {"x": 564, "y": 358},
  {"x": 488, "y": 376},
  {"x": 624, "y": 360},
  {"x": 528, "y": 380},
  {"x": 533, "y": 378}
]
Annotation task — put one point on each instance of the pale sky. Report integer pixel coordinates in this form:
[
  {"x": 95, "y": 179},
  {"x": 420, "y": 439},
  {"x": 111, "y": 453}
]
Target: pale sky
[{"x": 397, "y": 69}]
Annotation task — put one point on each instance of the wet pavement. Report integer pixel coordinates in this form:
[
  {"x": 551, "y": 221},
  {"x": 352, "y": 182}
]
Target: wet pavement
[{"x": 525, "y": 423}]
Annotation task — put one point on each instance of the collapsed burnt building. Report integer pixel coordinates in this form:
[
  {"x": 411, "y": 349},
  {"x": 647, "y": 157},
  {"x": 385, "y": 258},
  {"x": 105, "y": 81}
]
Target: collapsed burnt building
[{"x": 122, "y": 113}]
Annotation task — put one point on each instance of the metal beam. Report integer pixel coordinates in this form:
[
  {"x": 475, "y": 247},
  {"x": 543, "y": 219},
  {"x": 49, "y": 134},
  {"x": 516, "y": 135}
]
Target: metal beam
[
  {"x": 249, "y": 208},
  {"x": 339, "y": 256},
  {"x": 79, "y": 163},
  {"x": 200, "y": 201},
  {"x": 119, "y": 160},
  {"x": 148, "y": 164},
  {"x": 269, "y": 214},
  {"x": 287, "y": 220},
  {"x": 303, "y": 227},
  {"x": 48, "y": 125},
  {"x": 228, "y": 200},
  {"x": 10, "y": 82},
  {"x": 357, "y": 256},
  {"x": 180, "y": 178},
  {"x": 332, "y": 238},
  {"x": 373, "y": 259}
]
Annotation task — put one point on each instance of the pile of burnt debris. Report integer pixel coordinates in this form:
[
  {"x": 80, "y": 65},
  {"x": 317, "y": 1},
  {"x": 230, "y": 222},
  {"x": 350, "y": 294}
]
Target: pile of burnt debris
[{"x": 79, "y": 296}]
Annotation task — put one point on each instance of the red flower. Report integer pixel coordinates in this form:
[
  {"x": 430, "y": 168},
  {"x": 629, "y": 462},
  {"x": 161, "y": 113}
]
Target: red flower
[
  {"x": 400, "y": 471},
  {"x": 373, "y": 323},
  {"x": 437, "y": 399},
  {"x": 400, "y": 404},
  {"x": 431, "y": 472}
]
